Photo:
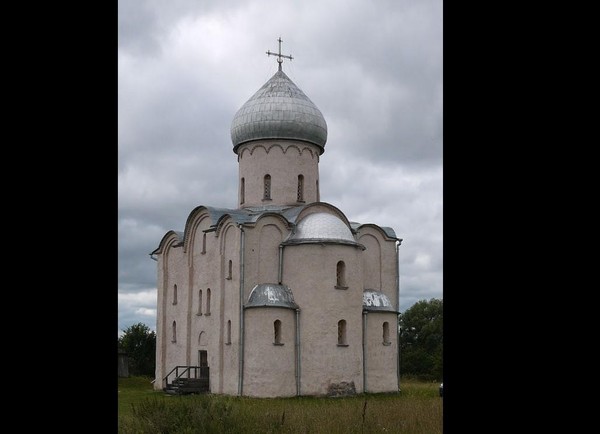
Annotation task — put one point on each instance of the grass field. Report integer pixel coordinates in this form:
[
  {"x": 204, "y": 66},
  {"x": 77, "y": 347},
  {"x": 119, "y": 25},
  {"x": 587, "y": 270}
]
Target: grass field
[{"x": 417, "y": 409}]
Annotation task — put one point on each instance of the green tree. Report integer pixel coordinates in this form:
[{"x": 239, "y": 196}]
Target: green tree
[
  {"x": 139, "y": 342},
  {"x": 421, "y": 340}
]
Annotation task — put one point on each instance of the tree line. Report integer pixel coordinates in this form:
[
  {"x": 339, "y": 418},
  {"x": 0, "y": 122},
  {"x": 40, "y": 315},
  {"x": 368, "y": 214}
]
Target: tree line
[
  {"x": 421, "y": 329},
  {"x": 139, "y": 343}
]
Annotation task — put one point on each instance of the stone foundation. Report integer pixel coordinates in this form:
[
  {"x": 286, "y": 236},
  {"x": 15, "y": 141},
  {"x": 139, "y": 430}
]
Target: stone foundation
[{"x": 341, "y": 389}]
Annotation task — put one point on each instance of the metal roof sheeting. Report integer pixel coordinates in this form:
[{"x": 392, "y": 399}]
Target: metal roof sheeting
[
  {"x": 322, "y": 226},
  {"x": 376, "y": 301},
  {"x": 279, "y": 110},
  {"x": 271, "y": 295}
]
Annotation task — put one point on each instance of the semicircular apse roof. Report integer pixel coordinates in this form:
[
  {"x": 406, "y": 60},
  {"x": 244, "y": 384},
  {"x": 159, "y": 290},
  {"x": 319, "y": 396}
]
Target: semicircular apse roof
[
  {"x": 377, "y": 301},
  {"x": 279, "y": 110},
  {"x": 271, "y": 295},
  {"x": 321, "y": 226}
]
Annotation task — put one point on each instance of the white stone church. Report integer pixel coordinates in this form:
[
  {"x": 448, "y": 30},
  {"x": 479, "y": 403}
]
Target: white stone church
[{"x": 283, "y": 295}]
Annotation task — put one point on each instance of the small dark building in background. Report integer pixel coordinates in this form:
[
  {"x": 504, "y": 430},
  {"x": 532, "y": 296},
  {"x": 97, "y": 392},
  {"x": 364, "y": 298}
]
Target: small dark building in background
[{"x": 123, "y": 364}]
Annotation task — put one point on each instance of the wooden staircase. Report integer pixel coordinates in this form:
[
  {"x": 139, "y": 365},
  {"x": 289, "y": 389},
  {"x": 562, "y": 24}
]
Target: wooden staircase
[{"x": 187, "y": 379}]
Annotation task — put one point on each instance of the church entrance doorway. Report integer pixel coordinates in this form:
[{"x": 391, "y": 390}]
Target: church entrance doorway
[
  {"x": 204, "y": 370},
  {"x": 202, "y": 358}
]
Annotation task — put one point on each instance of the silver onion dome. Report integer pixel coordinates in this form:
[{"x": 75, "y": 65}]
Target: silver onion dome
[{"x": 279, "y": 110}]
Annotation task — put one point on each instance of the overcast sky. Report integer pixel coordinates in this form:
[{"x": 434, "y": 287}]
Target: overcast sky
[{"x": 373, "y": 68}]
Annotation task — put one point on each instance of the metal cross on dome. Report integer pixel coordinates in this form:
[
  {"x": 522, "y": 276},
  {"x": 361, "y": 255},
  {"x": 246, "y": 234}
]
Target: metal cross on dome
[{"x": 279, "y": 55}]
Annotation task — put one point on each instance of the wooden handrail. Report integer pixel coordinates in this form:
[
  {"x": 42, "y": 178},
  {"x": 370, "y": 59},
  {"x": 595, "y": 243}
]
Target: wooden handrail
[{"x": 185, "y": 370}]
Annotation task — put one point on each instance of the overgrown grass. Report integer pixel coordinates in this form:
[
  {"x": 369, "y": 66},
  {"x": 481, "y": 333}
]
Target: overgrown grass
[{"x": 417, "y": 409}]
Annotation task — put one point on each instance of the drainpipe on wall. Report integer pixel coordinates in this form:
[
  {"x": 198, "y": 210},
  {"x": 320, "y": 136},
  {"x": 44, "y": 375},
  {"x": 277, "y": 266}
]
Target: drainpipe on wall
[
  {"x": 280, "y": 275},
  {"x": 364, "y": 348},
  {"x": 298, "y": 366},
  {"x": 398, "y": 349},
  {"x": 398, "y": 310},
  {"x": 241, "y": 346}
]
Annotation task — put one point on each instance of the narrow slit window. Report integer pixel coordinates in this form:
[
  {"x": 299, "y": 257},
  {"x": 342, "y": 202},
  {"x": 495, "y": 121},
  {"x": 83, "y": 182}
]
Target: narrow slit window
[
  {"x": 174, "y": 294},
  {"x": 340, "y": 274},
  {"x": 242, "y": 190},
  {"x": 174, "y": 339},
  {"x": 204, "y": 243},
  {"x": 386, "y": 333},
  {"x": 208, "y": 301},
  {"x": 300, "y": 188},
  {"x": 342, "y": 332},
  {"x": 199, "y": 302},
  {"x": 267, "y": 184},
  {"x": 277, "y": 332},
  {"x": 229, "y": 270},
  {"x": 228, "y": 332}
]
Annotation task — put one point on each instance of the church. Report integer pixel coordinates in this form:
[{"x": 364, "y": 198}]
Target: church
[{"x": 284, "y": 295}]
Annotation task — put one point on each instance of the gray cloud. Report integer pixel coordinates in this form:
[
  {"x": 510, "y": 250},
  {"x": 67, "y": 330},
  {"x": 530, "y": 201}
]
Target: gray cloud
[{"x": 373, "y": 69}]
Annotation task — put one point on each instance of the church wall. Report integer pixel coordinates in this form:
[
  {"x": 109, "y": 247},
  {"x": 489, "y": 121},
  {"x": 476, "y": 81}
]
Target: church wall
[
  {"x": 176, "y": 274},
  {"x": 161, "y": 340},
  {"x": 284, "y": 160},
  {"x": 269, "y": 368},
  {"x": 389, "y": 272},
  {"x": 251, "y": 259},
  {"x": 380, "y": 263},
  {"x": 261, "y": 259},
  {"x": 372, "y": 262},
  {"x": 268, "y": 250},
  {"x": 382, "y": 360},
  {"x": 209, "y": 271},
  {"x": 230, "y": 310},
  {"x": 205, "y": 318},
  {"x": 203, "y": 245},
  {"x": 310, "y": 272}
]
